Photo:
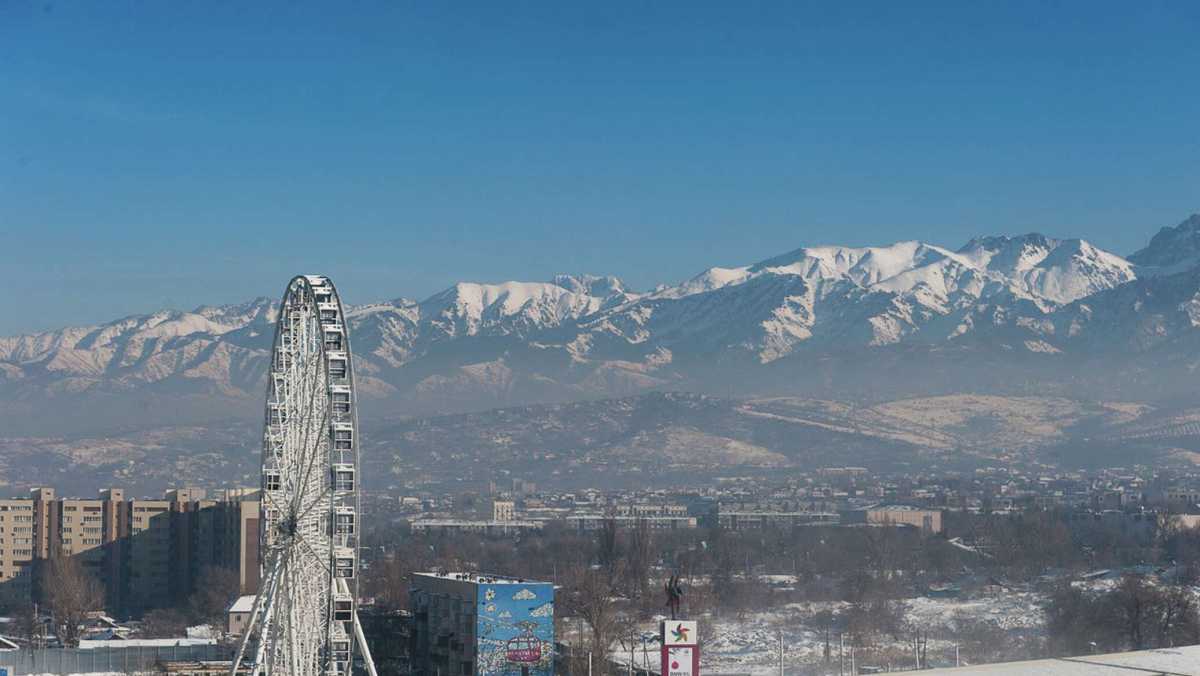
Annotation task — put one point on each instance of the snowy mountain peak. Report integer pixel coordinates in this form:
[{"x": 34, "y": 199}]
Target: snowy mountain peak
[
  {"x": 1009, "y": 252},
  {"x": 1047, "y": 269},
  {"x": 599, "y": 286},
  {"x": 864, "y": 266}
]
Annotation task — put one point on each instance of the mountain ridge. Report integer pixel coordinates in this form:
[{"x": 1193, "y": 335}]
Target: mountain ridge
[{"x": 1025, "y": 303}]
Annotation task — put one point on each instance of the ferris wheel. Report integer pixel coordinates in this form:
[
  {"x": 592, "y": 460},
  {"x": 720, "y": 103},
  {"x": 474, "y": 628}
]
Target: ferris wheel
[{"x": 304, "y": 620}]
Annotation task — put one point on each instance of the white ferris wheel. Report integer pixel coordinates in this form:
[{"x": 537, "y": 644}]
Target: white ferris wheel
[{"x": 304, "y": 621}]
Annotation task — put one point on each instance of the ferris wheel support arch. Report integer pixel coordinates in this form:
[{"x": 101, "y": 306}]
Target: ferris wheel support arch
[{"x": 304, "y": 620}]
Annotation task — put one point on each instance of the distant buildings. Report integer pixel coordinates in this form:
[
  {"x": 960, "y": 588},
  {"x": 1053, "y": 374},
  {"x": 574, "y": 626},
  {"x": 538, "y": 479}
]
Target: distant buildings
[
  {"x": 474, "y": 526},
  {"x": 927, "y": 520},
  {"x": 503, "y": 510},
  {"x": 464, "y": 623},
  {"x": 591, "y": 522},
  {"x": 742, "y": 516},
  {"x": 148, "y": 553}
]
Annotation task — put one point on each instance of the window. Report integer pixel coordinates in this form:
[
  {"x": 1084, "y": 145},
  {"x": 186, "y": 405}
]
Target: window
[
  {"x": 333, "y": 340},
  {"x": 337, "y": 368},
  {"x": 341, "y": 400}
]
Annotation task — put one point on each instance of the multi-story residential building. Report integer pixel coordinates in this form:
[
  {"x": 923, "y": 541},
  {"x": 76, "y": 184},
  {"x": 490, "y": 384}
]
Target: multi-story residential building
[
  {"x": 16, "y": 547},
  {"x": 148, "y": 553},
  {"x": 927, "y": 520}
]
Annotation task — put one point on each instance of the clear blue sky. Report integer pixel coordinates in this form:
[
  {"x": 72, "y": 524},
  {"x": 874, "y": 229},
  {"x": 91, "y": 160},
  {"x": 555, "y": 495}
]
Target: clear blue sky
[{"x": 175, "y": 153}]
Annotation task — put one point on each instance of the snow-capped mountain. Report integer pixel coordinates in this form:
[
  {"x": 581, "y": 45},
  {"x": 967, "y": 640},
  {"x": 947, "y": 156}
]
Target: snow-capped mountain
[
  {"x": 874, "y": 296},
  {"x": 474, "y": 344}
]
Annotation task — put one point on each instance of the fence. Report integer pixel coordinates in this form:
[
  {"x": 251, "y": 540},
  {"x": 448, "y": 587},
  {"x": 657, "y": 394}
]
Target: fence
[{"x": 124, "y": 660}]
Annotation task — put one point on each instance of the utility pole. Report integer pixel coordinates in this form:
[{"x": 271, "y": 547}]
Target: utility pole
[
  {"x": 841, "y": 655},
  {"x": 780, "y": 652},
  {"x": 957, "y": 663},
  {"x": 632, "y": 652}
]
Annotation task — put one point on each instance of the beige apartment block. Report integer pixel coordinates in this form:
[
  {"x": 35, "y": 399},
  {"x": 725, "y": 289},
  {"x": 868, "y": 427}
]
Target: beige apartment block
[{"x": 148, "y": 553}]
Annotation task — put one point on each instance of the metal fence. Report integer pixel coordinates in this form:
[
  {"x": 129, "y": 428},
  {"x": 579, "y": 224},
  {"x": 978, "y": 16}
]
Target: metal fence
[{"x": 122, "y": 660}]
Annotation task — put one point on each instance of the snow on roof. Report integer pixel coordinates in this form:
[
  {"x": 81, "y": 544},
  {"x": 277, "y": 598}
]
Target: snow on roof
[
  {"x": 1167, "y": 661},
  {"x": 480, "y": 578},
  {"x": 146, "y": 642},
  {"x": 243, "y": 604}
]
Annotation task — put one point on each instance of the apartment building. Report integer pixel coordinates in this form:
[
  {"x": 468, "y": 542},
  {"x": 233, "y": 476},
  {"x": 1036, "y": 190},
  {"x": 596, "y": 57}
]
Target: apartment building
[
  {"x": 16, "y": 547},
  {"x": 148, "y": 553}
]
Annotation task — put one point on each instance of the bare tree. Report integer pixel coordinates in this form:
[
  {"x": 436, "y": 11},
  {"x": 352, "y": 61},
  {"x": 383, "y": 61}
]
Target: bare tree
[
  {"x": 71, "y": 593},
  {"x": 590, "y": 595},
  {"x": 164, "y": 623},
  {"x": 639, "y": 559},
  {"x": 29, "y": 627},
  {"x": 217, "y": 589},
  {"x": 607, "y": 546}
]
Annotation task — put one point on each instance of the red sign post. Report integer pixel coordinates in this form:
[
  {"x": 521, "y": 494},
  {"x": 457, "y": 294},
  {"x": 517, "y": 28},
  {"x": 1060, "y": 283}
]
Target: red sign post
[{"x": 680, "y": 648}]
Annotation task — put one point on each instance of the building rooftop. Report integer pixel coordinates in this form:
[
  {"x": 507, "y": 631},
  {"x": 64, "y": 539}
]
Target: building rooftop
[
  {"x": 243, "y": 604},
  {"x": 479, "y": 578},
  {"x": 1164, "y": 662}
]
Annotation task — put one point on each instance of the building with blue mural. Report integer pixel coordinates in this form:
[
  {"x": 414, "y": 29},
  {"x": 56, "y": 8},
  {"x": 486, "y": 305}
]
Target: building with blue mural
[{"x": 466, "y": 623}]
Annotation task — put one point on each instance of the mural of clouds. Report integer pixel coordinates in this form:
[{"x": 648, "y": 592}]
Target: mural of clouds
[
  {"x": 544, "y": 610},
  {"x": 524, "y": 595},
  {"x": 504, "y": 614}
]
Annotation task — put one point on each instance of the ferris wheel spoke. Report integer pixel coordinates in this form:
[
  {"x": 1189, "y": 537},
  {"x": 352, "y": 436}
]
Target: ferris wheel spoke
[{"x": 309, "y": 445}]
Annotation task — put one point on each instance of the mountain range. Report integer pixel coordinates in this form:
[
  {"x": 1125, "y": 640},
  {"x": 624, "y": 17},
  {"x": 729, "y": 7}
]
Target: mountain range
[{"x": 1008, "y": 315}]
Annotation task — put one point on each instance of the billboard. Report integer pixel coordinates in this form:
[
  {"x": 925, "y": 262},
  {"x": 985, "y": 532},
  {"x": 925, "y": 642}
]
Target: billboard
[{"x": 514, "y": 631}]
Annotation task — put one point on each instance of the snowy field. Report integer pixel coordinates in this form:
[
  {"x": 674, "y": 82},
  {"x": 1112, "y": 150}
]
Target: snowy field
[{"x": 750, "y": 644}]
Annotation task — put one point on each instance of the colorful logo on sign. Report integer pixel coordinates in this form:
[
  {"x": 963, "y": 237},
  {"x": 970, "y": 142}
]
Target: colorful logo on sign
[{"x": 680, "y": 633}]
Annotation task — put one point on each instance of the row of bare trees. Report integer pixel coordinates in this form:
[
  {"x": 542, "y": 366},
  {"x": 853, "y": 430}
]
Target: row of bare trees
[
  {"x": 65, "y": 592},
  {"x": 1137, "y": 614}
]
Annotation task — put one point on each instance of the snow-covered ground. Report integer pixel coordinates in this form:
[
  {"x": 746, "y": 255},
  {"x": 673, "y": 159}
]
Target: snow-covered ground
[{"x": 750, "y": 644}]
